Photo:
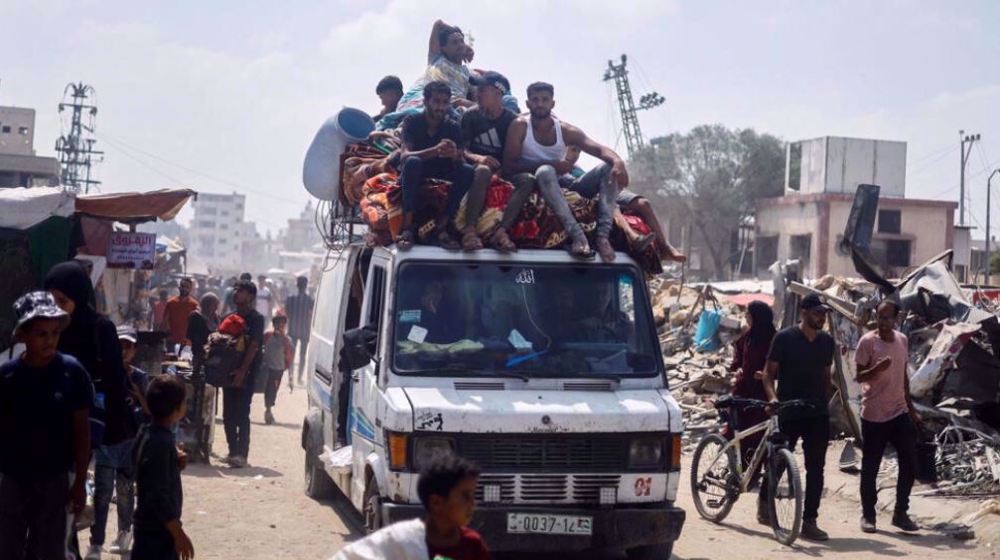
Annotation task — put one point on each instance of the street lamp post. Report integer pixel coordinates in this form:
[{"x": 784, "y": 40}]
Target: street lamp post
[{"x": 989, "y": 183}]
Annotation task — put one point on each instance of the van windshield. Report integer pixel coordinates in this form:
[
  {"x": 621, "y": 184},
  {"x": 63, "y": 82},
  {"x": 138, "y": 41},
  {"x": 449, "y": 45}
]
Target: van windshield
[{"x": 487, "y": 319}]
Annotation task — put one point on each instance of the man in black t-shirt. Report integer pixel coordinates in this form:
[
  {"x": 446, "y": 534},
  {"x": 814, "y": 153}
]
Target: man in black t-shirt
[
  {"x": 800, "y": 360},
  {"x": 236, "y": 398},
  {"x": 432, "y": 148},
  {"x": 484, "y": 130}
]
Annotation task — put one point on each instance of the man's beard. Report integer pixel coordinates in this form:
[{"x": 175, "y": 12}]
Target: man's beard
[{"x": 537, "y": 114}]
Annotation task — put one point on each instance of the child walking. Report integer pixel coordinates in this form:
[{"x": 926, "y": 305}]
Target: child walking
[
  {"x": 45, "y": 401},
  {"x": 278, "y": 355},
  {"x": 157, "y": 521}
]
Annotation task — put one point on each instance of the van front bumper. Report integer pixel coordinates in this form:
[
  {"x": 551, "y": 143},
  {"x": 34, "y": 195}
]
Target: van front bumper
[{"x": 622, "y": 527}]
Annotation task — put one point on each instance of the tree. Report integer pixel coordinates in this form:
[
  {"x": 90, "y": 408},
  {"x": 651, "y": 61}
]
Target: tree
[{"x": 710, "y": 179}]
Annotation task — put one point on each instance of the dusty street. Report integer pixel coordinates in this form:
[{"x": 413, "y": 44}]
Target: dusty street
[{"x": 261, "y": 513}]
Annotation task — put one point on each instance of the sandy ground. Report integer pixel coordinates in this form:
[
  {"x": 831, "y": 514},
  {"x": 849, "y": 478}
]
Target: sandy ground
[{"x": 261, "y": 513}]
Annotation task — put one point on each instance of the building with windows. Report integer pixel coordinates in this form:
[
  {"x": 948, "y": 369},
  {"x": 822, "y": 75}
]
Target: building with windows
[
  {"x": 808, "y": 222},
  {"x": 217, "y": 232},
  {"x": 19, "y": 166}
]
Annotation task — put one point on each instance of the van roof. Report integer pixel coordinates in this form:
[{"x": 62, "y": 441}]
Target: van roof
[{"x": 539, "y": 256}]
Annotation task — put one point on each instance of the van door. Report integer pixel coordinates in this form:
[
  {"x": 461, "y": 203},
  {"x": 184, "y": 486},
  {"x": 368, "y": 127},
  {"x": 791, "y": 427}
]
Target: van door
[{"x": 365, "y": 380}]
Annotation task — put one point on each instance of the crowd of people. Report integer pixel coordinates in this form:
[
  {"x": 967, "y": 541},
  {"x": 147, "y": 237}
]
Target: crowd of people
[
  {"x": 71, "y": 397},
  {"x": 464, "y": 126}
]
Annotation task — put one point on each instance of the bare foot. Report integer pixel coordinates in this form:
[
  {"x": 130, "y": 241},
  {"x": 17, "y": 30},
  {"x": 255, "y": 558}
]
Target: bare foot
[
  {"x": 605, "y": 249},
  {"x": 671, "y": 254},
  {"x": 502, "y": 242}
]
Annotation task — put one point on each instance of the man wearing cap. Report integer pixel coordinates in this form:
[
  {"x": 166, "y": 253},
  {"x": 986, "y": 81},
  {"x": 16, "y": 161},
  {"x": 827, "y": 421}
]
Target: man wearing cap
[
  {"x": 45, "y": 402},
  {"x": 484, "y": 131},
  {"x": 800, "y": 361}
]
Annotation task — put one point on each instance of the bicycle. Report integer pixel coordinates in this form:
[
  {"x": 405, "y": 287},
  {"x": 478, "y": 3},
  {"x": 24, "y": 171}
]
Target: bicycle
[{"x": 717, "y": 487}]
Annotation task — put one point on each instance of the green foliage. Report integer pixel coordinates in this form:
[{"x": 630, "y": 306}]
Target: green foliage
[{"x": 710, "y": 179}]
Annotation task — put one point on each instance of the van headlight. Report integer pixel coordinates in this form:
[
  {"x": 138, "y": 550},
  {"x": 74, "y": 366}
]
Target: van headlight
[
  {"x": 426, "y": 449},
  {"x": 645, "y": 453}
]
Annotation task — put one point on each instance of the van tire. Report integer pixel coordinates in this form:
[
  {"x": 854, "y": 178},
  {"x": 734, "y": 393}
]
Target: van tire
[
  {"x": 661, "y": 551},
  {"x": 318, "y": 484},
  {"x": 372, "y": 506}
]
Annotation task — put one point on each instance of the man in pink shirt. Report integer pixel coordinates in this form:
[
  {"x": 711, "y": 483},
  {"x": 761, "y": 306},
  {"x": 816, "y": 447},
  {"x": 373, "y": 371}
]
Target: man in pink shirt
[{"x": 887, "y": 415}]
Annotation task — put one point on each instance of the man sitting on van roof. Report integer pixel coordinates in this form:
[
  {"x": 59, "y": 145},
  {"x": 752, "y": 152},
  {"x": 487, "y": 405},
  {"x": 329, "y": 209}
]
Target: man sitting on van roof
[
  {"x": 432, "y": 148},
  {"x": 535, "y": 153},
  {"x": 484, "y": 131}
]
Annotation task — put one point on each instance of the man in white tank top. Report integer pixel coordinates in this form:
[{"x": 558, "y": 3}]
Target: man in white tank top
[{"x": 535, "y": 153}]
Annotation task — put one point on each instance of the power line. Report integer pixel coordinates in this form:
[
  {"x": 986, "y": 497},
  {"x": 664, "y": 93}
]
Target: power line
[
  {"x": 125, "y": 153},
  {"x": 209, "y": 176}
]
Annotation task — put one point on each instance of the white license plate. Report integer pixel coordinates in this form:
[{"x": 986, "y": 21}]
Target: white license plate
[{"x": 549, "y": 524}]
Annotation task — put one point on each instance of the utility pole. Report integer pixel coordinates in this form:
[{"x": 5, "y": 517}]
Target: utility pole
[
  {"x": 76, "y": 151},
  {"x": 966, "y": 139},
  {"x": 626, "y": 104}
]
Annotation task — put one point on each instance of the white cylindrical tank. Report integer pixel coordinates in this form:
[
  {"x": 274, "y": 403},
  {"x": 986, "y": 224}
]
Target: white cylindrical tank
[{"x": 321, "y": 168}]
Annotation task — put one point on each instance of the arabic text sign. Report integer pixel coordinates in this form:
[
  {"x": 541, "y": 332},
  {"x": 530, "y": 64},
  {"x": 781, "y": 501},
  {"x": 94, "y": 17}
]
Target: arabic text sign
[{"x": 131, "y": 250}]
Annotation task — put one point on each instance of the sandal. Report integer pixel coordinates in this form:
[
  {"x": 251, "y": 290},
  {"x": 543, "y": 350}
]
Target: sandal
[
  {"x": 447, "y": 242},
  {"x": 502, "y": 242},
  {"x": 471, "y": 240},
  {"x": 641, "y": 243},
  {"x": 404, "y": 241},
  {"x": 581, "y": 249}
]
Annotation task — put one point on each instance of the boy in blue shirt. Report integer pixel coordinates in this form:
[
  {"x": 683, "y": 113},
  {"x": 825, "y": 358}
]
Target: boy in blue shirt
[{"x": 45, "y": 401}]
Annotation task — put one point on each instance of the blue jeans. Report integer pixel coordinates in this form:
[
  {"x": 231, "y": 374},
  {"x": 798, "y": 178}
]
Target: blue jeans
[
  {"x": 594, "y": 183},
  {"x": 415, "y": 170},
  {"x": 113, "y": 472}
]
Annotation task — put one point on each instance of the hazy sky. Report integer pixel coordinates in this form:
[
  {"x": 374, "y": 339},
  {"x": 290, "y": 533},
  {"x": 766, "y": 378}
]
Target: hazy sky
[{"x": 226, "y": 95}]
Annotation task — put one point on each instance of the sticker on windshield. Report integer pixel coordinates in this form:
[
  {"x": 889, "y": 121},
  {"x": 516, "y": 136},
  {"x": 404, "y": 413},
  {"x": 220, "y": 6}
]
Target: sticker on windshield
[
  {"x": 409, "y": 316},
  {"x": 417, "y": 334},
  {"x": 625, "y": 280},
  {"x": 526, "y": 276},
  {"x": 518, "y": 341}
]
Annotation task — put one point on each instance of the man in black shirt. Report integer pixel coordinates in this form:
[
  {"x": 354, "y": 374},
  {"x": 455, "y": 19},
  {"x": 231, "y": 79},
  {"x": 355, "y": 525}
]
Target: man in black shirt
[
  {"x": 237, "y": 397},
  {"x": 432, "y": 148},
  {"x": 800, "y": 361},
  {"x": 484, "y": 130}
]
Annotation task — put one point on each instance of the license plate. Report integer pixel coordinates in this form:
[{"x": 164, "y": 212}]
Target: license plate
[{"x": 549, "y": 524}]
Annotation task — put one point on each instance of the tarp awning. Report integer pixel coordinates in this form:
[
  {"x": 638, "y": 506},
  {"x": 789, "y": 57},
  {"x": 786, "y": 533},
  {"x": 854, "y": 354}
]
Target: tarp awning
[
  {"x": 22, "y": 208},
  {"x": 134, "y": 207}
]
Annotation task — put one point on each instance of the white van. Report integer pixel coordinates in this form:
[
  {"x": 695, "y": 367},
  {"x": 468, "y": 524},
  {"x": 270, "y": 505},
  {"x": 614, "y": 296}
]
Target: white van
[{"x": 544, "y": 370}]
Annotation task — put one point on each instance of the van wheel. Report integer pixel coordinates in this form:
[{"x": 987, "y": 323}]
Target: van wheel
[
  {"x": 319, "y": 485},
  {"x": 372, "y": 506},
  {"x": 653, "y": 552}
]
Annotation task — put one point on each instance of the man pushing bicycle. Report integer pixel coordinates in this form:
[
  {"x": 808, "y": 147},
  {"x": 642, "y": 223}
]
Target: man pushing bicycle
[{"x": 800, "y": 360}]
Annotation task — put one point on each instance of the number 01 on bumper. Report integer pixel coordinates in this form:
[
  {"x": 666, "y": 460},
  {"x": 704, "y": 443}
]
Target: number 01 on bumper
[{"x": 549, "y": 524}]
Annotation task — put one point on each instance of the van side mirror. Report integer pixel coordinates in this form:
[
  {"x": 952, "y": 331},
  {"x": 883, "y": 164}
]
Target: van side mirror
[{"x": 359, "y": 347}]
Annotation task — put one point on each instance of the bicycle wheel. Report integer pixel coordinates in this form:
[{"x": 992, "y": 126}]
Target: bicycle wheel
[
  {"x": 714, "y": 479},
  {"x": 785, "y": 496}
]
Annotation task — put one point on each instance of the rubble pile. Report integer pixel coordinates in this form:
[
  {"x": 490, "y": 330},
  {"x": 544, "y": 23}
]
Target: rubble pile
[{"x": 954, "y": 364}]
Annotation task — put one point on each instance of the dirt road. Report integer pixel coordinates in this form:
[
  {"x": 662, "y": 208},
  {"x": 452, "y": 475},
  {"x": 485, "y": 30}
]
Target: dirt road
[{"x": 261, "y": 513}]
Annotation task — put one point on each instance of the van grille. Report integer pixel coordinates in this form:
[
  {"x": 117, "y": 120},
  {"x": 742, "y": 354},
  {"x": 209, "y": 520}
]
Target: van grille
[
  {"x": 557, "y": 452},
  {"x": 541, "y": 488}
]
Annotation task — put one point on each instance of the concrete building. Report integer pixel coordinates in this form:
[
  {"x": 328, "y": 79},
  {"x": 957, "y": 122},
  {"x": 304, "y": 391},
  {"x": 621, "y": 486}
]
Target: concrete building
[
  {"x": 808, "y": 222},
  {"x": 218, "y": 231},
  {"x": 301, "y": 234},
  {"x": 19, "y": 166}
]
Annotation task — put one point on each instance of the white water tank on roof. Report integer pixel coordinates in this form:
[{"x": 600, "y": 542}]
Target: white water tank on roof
[
  {"x": 834, "y": 164},
  {"x": 321, "y": 168}
]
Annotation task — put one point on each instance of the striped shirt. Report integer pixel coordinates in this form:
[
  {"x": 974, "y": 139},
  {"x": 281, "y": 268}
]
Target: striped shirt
[{"x": 299, "y": 309}]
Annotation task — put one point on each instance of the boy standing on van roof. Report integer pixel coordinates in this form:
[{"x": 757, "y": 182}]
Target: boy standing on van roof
[{"x": 45, "y": 400}]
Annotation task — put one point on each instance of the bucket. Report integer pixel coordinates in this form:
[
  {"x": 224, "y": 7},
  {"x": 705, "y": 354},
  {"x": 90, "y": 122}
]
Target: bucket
[{"x": 321, "y": 168}]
